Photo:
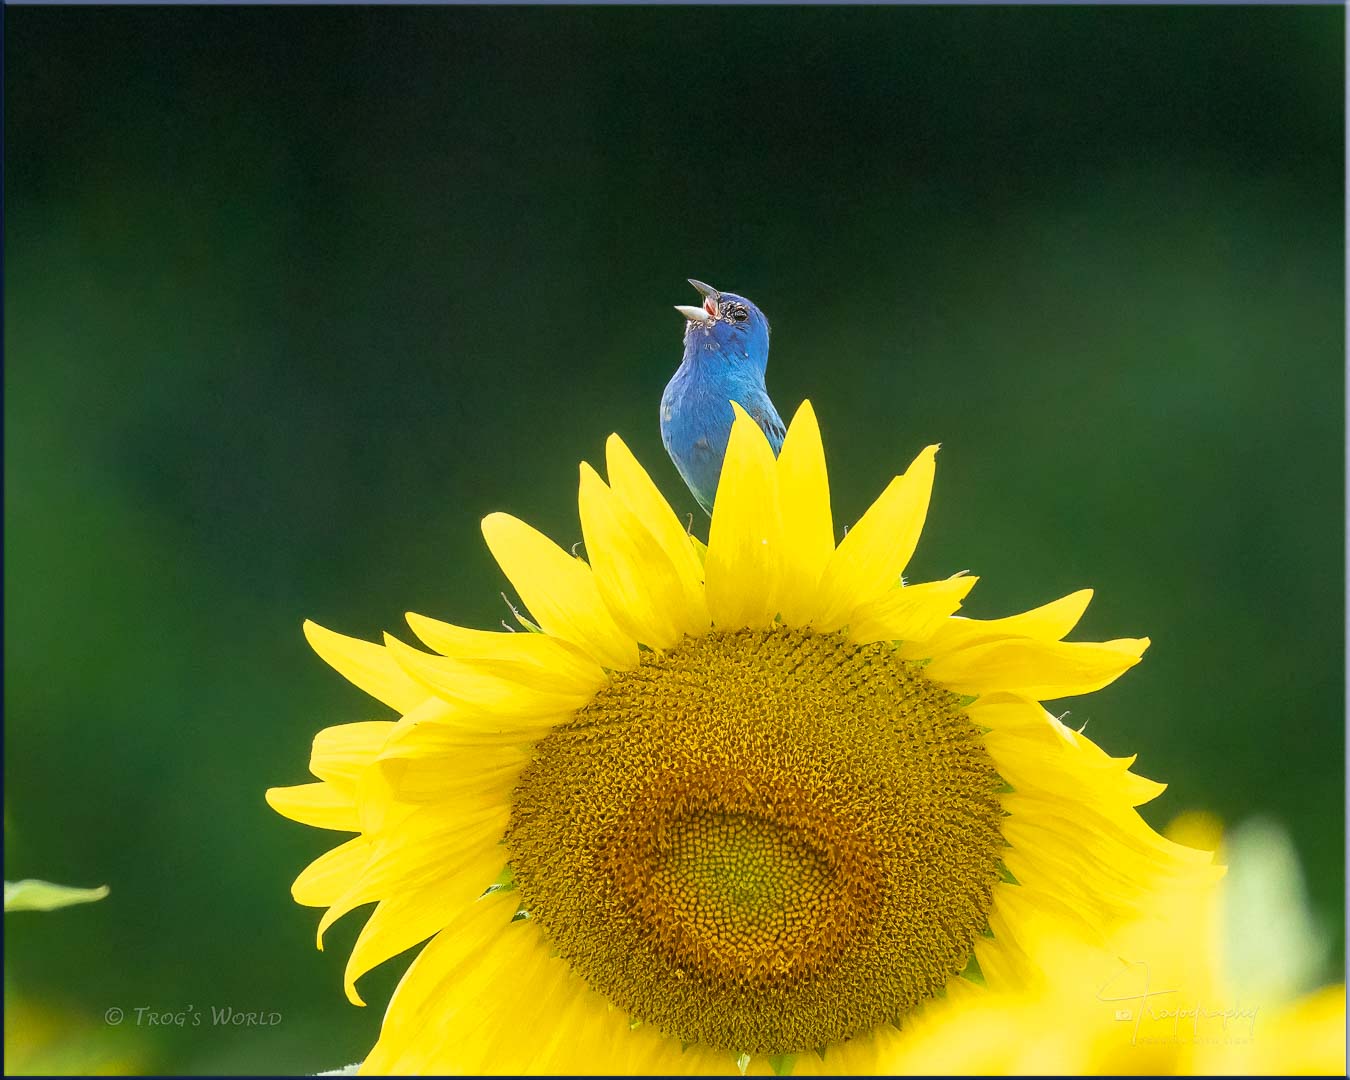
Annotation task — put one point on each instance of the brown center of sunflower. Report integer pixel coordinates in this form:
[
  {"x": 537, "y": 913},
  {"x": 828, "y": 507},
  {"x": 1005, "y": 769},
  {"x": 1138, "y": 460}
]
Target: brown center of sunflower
[{"x": 762, "y": 840}]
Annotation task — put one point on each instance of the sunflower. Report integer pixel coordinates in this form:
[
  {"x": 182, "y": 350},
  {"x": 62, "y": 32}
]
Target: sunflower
[{"x": 743, "y": 806}]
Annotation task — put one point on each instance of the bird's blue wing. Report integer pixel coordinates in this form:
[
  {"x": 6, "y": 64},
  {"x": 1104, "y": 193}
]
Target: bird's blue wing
[
  {"x": 766, "y": 416},
  {"x": 702, "y": 471}
]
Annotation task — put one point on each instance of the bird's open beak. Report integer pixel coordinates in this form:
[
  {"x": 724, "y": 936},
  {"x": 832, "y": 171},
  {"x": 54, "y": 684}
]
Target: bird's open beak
[
  {"x": 708, "y": 311},
  {"x": 694, "y": 314}
]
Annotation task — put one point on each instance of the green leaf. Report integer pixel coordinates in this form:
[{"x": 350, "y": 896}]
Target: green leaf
[{"x": 33, "y": 895}]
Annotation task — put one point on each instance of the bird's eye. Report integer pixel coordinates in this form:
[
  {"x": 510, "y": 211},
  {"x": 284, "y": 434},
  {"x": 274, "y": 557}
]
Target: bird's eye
[{"x": 739, "y": 313}]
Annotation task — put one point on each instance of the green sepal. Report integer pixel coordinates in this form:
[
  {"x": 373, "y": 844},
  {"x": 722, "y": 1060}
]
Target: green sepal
[
  {"x": 743, "y": 1062},
  {"x": 1005, "y": 875},
  {"x": 503, "y": 882},
  {"x": 971, "y": 972},
  {"x": 964, "y": 700},
  {"x": 782, "y": 1064},
  {"x": 634, "y": 1023},
  {"x": 515, "y": 612},
  {"x": 1005, "y": 788},
  {"x": 520, "y": 916}
]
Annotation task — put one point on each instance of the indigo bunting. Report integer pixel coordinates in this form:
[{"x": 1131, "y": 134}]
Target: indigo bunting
[{"x": 726, "y": 348}]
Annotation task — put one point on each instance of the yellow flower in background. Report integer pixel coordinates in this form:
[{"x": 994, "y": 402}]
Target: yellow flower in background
[
  {"x": 52, "y": 1038},
  {"x": 743, "y": 807},
  {"x": 1217, "y": 981}
]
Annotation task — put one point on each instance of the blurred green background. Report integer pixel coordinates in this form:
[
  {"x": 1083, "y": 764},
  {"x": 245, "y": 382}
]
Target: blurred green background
[{"x": 295, "y": 297}]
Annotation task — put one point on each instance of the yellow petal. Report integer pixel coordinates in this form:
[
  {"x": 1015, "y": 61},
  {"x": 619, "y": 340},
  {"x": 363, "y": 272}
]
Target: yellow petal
[
  {"x": 332, "y": 873},
  {"x": 1036, "y": 669},
  {"x": 630, "y": 482},
  {"x": 1006, "y": 960},
  {"x": 1097, "y": 869},
  {"x": 428, "y": 759},
  {"x": 871, "y": 558},
  {"x": 1033, "y": 751},
  {"x": 1050, "y": 622},
  {"x": 422, "y": 769},
  {"x": 639, "y": 583},
  {"x": 808, "y": 528},
  {"x": 866, "y": 1054},
  {"x": 746, "y": 536},
  {"x": 320, "y": 805},
  {"x": 455, "y": 1012},
  {"x": 1306, "y": 1038},
  {"x": 499, "y": 688},
  {"x": 700, "y": 550},
  {"x": 366, "y": 665},
  {"x": 910, "y": 612},
  {"x": 540, "y": 651},
  {"x": 455, "y": 729},
  {"x": 559, "y": 591},
  {"x": 406, "y": 918},
  {"x": 428, "y": 850},
  {"x": 341, "y": 753},
  {"x": 476, "y": 956}
]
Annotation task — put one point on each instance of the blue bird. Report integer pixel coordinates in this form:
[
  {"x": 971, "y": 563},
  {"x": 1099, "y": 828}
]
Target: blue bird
[{"x": 726, "y": 349}]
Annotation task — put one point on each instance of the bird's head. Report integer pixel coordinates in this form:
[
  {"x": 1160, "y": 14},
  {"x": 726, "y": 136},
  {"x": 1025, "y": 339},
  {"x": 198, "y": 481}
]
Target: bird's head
[{"x": 726, "y": 325}]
